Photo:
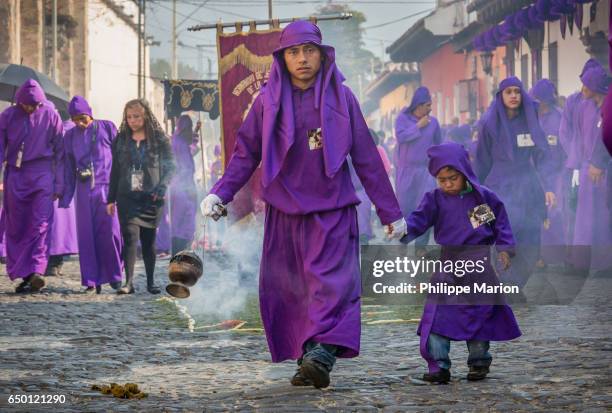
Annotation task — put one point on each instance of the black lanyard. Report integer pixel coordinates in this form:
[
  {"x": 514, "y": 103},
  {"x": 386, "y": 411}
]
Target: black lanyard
[{"x": 138, "y": 154}]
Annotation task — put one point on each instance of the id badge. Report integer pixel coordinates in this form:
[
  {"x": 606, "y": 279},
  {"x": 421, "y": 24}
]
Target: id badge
[
  {"x": 137, "y": 180},
  {"x": 315, "y": 139},
  {"x": 552, "y": 140},
  {"x": 524, "y": 140},
  {"x": 480, "y": 215}
]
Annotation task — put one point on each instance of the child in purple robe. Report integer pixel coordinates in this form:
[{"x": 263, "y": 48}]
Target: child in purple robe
[
  {"x": 513, "y": 159},
  {"x": 88, "y": 165},
  {"x": 301, "y": 128},
  {"x": 450, "y": 210},
  {"x": 415, "y": 131},
  {"x": 31, "y": 143}
]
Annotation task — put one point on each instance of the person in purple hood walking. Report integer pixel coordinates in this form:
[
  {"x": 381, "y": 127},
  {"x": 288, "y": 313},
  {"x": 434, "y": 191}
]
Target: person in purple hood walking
[
  {"x": 554, "y": 231},
  {"x": 88, "y": 166},
  {"x": 302, "y": 127},
  {"x": 31, "y": 143},
  {"x": 462, "y": 213},
  {"x": 415, "y": 131},
  {"x": 513, "y": 159},
  {"x": 592, "y": 235}
]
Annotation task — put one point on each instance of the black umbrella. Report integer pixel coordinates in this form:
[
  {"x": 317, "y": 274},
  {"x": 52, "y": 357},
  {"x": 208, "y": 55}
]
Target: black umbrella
[{"x": 12, "y": 76}]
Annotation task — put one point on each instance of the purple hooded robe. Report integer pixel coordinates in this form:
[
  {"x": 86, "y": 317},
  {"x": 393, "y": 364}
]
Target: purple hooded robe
[
  {"x": 183, "y": 195},
  {"x": 310, "y": 286},
  {"x": 513, "y": 159},
  {"x": 32, "y": 146},
  {"x": 592, "y": 213},
  {"x": 555, "y": 237},
  {"x": 63, "y": 232},
  {"x": 99, "y": 235},
  {"x": 449, "y": 216},
  {"x": 412, "y": 180}
]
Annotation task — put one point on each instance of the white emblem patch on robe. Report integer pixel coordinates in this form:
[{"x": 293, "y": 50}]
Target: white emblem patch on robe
[
  {"x": 552, "y": 140},
  {"x": 524, "y": 140},
  {"x": 315, "y": 139},
  {"x": 480, "y": 215}
]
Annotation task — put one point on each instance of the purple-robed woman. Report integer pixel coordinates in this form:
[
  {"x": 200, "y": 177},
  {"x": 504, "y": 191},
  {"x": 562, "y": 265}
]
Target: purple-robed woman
[
  {"x": 88, "y": 165},
  {"x": 183, "y": 194},
  {"x": 63, "y": 232},
  {"x": 513, "y": 159},
  {"x": 448, "y": 210},
  {"x": 415, "y": 131},
  {"x": 592, "y": 226},
  {"x": 31, "y": 144},
  {"x": 554, "y": 231},
  {"x": 302, "y": 127}
]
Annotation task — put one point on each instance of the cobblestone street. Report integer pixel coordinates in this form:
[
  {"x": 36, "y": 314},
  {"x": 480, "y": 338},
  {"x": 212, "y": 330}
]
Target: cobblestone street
[{"x": 61, "y": 342}]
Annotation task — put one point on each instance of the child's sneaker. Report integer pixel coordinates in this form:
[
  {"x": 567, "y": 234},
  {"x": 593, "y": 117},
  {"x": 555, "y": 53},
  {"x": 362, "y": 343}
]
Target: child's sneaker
[
  {"x": 477, "y": 373},
  {"x": 441, "y": 377}
]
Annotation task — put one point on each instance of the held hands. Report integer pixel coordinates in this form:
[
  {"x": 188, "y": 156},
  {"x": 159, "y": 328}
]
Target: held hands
[
  {"x": 110, "y": 209},
  {"x": 212, "y": 206},
  {"x": 423, "y": 122},
  {"x": 504, "y": 259},
  {"x": 396, "y": 230}
]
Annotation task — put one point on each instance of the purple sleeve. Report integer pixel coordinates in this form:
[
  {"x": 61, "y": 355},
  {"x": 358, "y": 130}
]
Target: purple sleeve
[
  {"x": 565, "y": 129},
  {"x": 504, "y": 239},
  {"x": 545, "y": 165},
  {"x": 112, "y": 131},
  {"x": 422, "y": 218},
  {"x": 405, "y": 129},
  {"x": 69, "y": 171},
  {"x": 57, "y": 142},
  {"x": 246, "y": 155},
  {"x": 369, "y": 167},
  {"x": 600, "y": 157}
]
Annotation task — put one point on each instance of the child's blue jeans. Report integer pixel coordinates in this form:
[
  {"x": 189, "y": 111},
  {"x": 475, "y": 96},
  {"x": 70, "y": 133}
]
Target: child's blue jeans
[{"x": 439, "y": 346}]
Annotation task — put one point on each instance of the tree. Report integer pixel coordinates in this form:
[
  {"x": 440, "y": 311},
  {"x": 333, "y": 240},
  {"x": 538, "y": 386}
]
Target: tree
[
  {"x": 346, "y": 37},
  {"x": 161, "y": 68}
]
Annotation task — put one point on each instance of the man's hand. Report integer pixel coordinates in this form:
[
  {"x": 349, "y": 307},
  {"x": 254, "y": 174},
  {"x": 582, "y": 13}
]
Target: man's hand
[
  {"x": 397, "y": 229},
  {"x": 551, "y": 199},
  {"x": 110, "y": 209},
  {"x": 595, "y": 174},
  {"x": 504, "y": 259},
  {"x": 198, "y": 126},
  {"x": 424, "y": 121},
  {"x": 212, "y": 206}
]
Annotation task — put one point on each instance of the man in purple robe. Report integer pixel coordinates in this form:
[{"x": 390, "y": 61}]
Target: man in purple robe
[
  {"x": 88, "y": 165},
  {"x": 302, "y": 127},
  {"x": 63, "y": 232},
  {"x": 183, "y": 194},
  {"x": 450, "y": 210},
  {"x": 415, "y": 131},
  {"x": 513, "y": 159},
  {"x": 592, "y": 227},
  {"x": 31, "y": 144},
  {"x": 554, "y": 231},
  {"x": 570, "y": 142}
]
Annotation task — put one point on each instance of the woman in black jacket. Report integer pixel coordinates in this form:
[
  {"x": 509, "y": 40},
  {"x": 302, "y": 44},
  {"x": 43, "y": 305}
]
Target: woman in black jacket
[{"x": 142, "y": 167}]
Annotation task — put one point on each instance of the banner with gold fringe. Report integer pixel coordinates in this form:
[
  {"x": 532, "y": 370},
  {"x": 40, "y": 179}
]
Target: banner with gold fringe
[
  {"x": 245, "y": 59},
  {"x": 182, "y": 95}
]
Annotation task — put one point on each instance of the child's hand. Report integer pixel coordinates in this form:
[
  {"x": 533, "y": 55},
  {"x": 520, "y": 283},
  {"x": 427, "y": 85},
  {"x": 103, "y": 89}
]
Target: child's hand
[{"x": 504, "y": 258}]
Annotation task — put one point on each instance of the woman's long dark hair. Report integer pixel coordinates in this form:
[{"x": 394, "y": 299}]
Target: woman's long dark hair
[{"x": 152, "y": 126}]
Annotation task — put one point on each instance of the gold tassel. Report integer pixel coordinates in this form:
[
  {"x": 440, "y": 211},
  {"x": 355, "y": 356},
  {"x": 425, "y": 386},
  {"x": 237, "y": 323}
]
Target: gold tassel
[{"x": 242, "y": 55}]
